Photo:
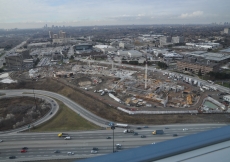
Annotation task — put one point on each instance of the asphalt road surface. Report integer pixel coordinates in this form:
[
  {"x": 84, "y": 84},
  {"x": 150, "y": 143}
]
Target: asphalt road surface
[{"x": 43, "y": 145}]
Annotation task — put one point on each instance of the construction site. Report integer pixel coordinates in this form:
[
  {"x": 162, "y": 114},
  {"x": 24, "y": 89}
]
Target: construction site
[{"x": 126, "y": 88}]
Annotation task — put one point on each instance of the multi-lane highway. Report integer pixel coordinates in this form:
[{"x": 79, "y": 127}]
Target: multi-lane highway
[{"x": 43, "y": 145}]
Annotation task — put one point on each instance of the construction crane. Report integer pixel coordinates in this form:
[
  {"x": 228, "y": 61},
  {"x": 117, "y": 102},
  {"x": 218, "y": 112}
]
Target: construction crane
[{"x": 88, "y": 59}]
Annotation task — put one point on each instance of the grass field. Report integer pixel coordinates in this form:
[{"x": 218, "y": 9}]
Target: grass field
[{"x": 65, "y": 120}]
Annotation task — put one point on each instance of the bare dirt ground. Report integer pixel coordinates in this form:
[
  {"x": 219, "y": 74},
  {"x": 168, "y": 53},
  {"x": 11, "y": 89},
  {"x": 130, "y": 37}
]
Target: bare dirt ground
[
  {"x": 104, "y": 110},
  {"x": 19, "y": 111}
]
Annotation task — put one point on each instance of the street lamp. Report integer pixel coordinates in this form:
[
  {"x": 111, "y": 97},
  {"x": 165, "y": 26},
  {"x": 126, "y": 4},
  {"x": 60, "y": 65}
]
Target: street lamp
[{"x": 113, "y": 127}]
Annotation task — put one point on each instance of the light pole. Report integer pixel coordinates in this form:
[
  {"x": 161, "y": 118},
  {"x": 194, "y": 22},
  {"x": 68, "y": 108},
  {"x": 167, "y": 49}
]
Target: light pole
[{"x": 113, "y": 127}]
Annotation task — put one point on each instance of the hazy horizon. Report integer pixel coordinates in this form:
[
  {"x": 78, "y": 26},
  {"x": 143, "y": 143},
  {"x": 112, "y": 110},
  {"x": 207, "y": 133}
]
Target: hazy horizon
[{"x": 36, "y": 13}]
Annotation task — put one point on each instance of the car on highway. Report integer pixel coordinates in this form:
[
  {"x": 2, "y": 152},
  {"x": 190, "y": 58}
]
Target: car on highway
[
  {"x": 153, "y": 143},
  {"x": 145, "y": 126},
  {"x": 25, "y": 148},
  {"x": 138, "y": 127},
  {"x": 108, "y": 137},
  {"x": 56, "y": 151},
  {"x": 135, "y": 133},
  {"x": 67, "y": 138},
  {"x": 185, "y": 129},
  {"x": 12, "y": 157},
  {"x": 23, "y": 151},
  {"x": 1, "y": 140},
  {"x": 118, "y": 146},
  {"x": 175, "y": 135},
  {"x": 70, "y": 153},
  {"x": 166, "y": 127},
  {"x": 93, "y": 151},
  {"x": 143, "y": 136}
]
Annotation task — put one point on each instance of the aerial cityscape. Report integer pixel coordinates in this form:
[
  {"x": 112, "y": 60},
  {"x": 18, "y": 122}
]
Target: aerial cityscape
[{"x": 84, "y": 83}]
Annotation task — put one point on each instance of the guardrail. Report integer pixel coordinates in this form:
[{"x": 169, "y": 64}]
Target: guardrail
[{"x": 157, "y": 112}]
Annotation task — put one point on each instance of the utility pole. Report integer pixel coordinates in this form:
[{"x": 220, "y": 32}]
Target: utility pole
[{"x": 146, "y": 72}]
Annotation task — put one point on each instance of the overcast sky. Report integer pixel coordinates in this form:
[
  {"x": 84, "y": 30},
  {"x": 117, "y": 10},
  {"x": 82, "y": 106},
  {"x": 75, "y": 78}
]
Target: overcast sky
[{"x": 37, "y": 13}]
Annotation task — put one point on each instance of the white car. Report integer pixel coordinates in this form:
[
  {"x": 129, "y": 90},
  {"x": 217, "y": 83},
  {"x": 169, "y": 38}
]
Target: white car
[
  {"x": 185, "y": 129},
  {"x": 118, "y": 146},
  {"x": 70, "y": 153},
  {"x": 93, "y": 151},
  {"x": 67, "y": 138}
]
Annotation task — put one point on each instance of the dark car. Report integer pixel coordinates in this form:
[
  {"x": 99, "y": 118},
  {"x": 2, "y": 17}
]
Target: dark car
[
  {"x": 174, "y": 135},
  {"x": 25, "y": 148},
  {"x": 138, "y": 127},
  {"x": 56, "y": 151},
  {"x": 95, "y": 148},
  {"x": 166, "y": 128},
  {"x": 135, "y": 133},
  {"x": 108, "y": 137},
  {"x": 12, "y": 157},
  {"x": 143, "y": 136}
]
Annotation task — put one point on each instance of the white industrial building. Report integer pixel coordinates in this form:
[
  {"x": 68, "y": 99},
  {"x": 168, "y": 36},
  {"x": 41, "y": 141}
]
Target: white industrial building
[
  {"x": 105, "y": 48},
  {"x": 204, "y": 45},
  {"x": 130, "y": 53}
]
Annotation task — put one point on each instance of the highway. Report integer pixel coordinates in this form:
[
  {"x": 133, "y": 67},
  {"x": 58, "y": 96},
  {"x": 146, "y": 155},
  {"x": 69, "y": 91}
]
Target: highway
[{"x": 43, "y": 145}]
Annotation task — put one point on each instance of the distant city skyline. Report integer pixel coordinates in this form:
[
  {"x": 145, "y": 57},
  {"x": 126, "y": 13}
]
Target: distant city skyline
[{"x": 37, "y": 13}]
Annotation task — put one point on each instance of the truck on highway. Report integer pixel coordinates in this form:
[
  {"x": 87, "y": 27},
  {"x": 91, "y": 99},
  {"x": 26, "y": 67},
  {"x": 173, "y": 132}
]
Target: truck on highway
[
  {"x": 63, "y": 135},
  {"x": 128, "y": 131},
  {"x": 158, "y": 132},
  {"x": 121, "y": 125}
]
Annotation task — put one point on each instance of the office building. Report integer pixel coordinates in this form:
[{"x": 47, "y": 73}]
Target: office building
[
  {"x": 55, "y": 36},
  {"x": 14, "y": 61},
  {"x": 51, "y": 34},
  {"x": 226, "y": 31},
  {"x": 165, "y": 41},
  {"x": 177, "y": 39}
]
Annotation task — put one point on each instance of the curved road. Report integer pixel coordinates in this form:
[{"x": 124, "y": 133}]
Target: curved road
[
  {"x": 45, "y": 118},
  {"x": 71, "y": 104}
]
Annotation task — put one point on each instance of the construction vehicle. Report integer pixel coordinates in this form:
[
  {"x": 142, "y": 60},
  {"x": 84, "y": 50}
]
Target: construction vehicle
[
  {"x": 128, "y": 131},
  {"x": 157, "y": 132},
  {"x": 63, "y": 135}
]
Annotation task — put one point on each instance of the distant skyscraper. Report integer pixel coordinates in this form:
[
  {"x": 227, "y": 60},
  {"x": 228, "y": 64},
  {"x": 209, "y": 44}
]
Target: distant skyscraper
[
  {"x": 60, "y": 34},
  {"x": 51, "y": 34}
]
